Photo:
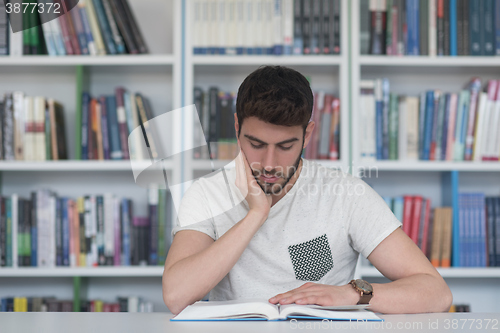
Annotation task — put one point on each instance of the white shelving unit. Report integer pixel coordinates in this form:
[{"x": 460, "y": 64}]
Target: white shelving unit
[
  {"x": 167, "y": 77},
  {"x": 157, "y": 76},
  {"x": 411, "y": 75}
]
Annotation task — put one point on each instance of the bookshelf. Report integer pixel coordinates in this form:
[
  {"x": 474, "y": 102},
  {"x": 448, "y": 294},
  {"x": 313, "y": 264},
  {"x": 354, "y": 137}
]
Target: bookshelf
[
  {"x": 157, "y": 75},
  {"x": 168, "y": 75},
  {"x": 411, "y": 75},
  {"x": 325, "y": 72}
]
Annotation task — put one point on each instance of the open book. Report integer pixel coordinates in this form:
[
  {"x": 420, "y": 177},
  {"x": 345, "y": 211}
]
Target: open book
[{"x": 263, "y": 310}]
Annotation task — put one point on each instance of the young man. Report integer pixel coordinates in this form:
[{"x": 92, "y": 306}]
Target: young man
[{"x": 295, "y": 229}]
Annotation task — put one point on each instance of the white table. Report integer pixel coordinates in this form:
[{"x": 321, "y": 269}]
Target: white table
[{"x": 160, "y": 322}]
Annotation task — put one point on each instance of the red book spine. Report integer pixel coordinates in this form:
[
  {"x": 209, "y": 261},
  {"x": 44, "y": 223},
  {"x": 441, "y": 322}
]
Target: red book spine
[
  {"x": 71, "y": 30},
  {"x": 415, "y": 223},
  {"x": 334, "y": 141},
  {"x": 66, "y": 35},
  {"x": 407, "y": 213}
]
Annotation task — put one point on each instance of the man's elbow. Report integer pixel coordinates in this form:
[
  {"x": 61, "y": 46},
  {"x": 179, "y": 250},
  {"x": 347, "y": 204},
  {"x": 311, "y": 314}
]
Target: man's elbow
[
  {"x": 171, "y": 299},
  {"x": 447, "y": 298}
]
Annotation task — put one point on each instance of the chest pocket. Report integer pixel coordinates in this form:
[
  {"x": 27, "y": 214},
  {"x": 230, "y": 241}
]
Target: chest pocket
[{"x": 312, "y": 259}]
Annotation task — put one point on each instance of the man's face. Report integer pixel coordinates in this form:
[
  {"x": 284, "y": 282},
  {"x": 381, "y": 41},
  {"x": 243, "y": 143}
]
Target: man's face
[{"x": 273, "y": 152}]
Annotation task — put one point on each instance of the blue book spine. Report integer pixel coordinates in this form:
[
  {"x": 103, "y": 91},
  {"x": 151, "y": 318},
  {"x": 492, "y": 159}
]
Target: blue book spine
[
  {"x": 482, "y": 229},
  {"x": 446, "y": 120},
  {"x": 453, "y": 27},
  {"x": 113, "y": 131},
  {"x": 429, "y": 118},
  {"x": 65, "y": 232},
  {"x": 497, "y": 26},
  {"x": 125, "y": 233},
  {"x": 86, "y": 28},
  {"x": 388, "y": 201},
  {"x": 398, "y": 205},
  {"x": 3, "y": 305},
  {"x": 490, "y": 215},
  {"x": 412, "y": 17},
  {"x": 497, "y": 231},
  {"x": 34, "y": 230},
  {"x": 104, "y": 25},
  {"x": 461, "y": 242},
  {"x": 379, "y": 105},
  {"x": 79, "y": 30},
  {"x": 104, "y": 129},
  {"x": 489, "y": 27},
  {"x": 85, "y": 125},
  {"x": 474, "y": 28}
]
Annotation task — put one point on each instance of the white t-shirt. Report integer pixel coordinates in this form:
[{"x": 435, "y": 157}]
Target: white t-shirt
[{"x": 314, "y": 233}]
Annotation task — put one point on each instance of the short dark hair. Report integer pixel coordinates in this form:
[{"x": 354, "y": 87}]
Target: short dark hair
[{"x": 277, "y": 95}]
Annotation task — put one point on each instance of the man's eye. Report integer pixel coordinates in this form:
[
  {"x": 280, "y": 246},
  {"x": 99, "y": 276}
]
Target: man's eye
[
  {"x": 286, "y": 148},
  {"x": 256, "y": 146}
]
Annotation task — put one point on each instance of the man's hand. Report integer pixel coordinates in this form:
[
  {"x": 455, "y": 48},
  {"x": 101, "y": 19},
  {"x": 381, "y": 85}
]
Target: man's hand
[
  {"x": 257, "y": 200},
  {"x": 319, "y": 294}
]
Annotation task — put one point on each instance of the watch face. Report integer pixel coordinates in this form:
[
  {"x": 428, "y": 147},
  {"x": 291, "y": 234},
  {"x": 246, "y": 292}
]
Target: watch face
[{"x": 364, "y": 286}]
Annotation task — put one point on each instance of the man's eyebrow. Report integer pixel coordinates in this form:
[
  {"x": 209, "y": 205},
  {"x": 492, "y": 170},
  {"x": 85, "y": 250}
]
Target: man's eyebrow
[{"x": 253, "y": 138}]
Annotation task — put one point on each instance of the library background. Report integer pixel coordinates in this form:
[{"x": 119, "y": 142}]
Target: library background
[{"x": 407, "y": 95}]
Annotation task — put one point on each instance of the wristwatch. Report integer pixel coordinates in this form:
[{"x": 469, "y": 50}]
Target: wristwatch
[{"x": 364, "y": 289}]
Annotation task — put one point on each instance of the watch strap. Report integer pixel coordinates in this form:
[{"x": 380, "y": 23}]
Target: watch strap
[{"x": 365, "y": 298}]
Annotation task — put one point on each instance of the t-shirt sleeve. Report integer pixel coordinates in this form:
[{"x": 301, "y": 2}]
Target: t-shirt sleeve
[
  {"x": 369, "y": 219},
  {"x": 194, "y": 212}
]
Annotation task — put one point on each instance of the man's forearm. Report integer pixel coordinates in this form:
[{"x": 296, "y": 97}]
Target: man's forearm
[
  {"x": 417, "y": 293},
  {"x": 193, "y": 277}
]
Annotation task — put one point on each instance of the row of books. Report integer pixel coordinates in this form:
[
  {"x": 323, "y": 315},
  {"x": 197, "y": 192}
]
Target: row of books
[
  {"x": 432, "y": 27},
  {"x": 279, "y": 27},
  {"x": 107, "y": 122},
  {"x": 32, "y": 128},
  {"x": 459, "y": 308},
  {"x": 92, "y": 27},
  {"x": 52, "y": 304},
  {"x": 461, "y": 126},
  {"x": 325, "y": 140},
  {"x": 432, "y": 234},
  {"x": 477, "y": 236},
  {"x": 95, "y": 230},
  {"x": 216, "y": 111}
]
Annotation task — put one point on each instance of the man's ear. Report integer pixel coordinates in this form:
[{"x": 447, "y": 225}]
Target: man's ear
[{"x": 309, "y": 131}]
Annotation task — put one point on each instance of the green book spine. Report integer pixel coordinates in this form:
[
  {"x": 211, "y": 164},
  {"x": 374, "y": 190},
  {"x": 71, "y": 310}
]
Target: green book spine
[
  {"x": 161, "y": 227},
  {"x": 34, "y": 34},
  {"x": 78, "y": 116},
  {"x": 393, "y": 127},
  {"x": 77, "y": 282},
  {"x": 388, "y": 43},
  {"x": 8, "y": 215}
]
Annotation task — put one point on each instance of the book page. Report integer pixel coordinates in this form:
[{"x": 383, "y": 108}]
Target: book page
[
  {"x": 353, "y": 312},
  {"x": 229, "y": 310}
]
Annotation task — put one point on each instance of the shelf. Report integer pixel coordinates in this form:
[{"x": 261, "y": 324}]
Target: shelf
[
  {"x": 429, "y": 166},
  {"x": 426, "y": 61},
  {"x": 133, "y": 271},
  {"x": 71, "y": 165},
  {"x": 319, "y": 60},
  {"x": 460, "y": 272},
  {"x": 108, "y": 60}
]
